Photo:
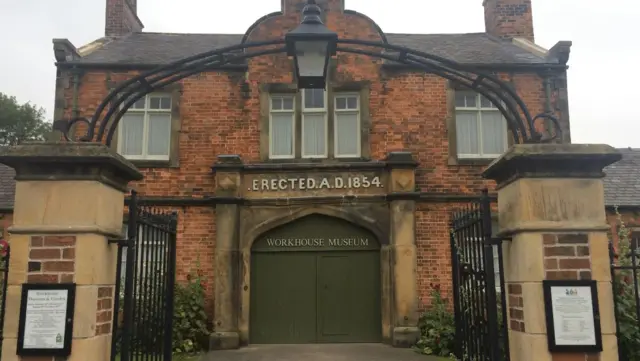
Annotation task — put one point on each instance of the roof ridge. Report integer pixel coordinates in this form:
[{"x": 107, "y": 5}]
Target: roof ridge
[
  {"x": 173, "y": 33},
  {"x": 423, "y": 34}
]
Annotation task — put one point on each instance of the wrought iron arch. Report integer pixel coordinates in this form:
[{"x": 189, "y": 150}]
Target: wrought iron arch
[{"x": 521, "y": 123}]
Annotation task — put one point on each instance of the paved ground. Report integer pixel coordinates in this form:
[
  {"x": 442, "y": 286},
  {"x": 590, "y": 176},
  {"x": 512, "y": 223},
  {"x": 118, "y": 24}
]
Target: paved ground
[{"x": 318, "y": 352}]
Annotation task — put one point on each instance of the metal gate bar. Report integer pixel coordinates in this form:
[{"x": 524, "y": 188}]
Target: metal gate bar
[
  {"x": 149, "y": 253},
  {"x": 5, "y": 255},
  {"x": 625, "y": 276},
  {"x": 480, "y": 334}
]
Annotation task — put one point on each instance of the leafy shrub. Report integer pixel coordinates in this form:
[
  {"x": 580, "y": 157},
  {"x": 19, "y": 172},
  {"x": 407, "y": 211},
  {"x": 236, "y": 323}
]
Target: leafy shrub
[
  {"x": 190, "y": 322},
  {"x": 437, "y": 328},
  {"x": 625, "y": 297}
]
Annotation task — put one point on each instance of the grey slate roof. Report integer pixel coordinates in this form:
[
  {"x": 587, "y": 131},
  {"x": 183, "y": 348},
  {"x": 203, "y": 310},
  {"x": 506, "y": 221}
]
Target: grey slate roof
[
  {"x": 622, "y": 183},
  {"x": 7, "y": 187},
  {"x": 162, "y": 48}
]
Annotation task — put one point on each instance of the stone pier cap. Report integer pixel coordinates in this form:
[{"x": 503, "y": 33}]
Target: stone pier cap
[
  {"x": 551, "y": 161},
  {"x": 69, "y": 161}
]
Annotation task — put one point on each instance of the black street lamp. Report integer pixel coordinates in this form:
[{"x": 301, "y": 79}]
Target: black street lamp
[{"x": 311, "y": 44}]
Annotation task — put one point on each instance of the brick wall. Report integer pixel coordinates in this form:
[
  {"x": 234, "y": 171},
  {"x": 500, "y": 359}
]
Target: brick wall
[
  {"x": 566, "y": 256},
  {"x": 51, "y": 259},
  {"x": 408, "y": 112},
  {"x": 104, "y": 315}
]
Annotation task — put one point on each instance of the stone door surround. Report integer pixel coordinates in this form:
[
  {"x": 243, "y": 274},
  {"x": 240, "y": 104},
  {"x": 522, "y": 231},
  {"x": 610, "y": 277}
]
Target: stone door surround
[{"x": 378, "y": 196}]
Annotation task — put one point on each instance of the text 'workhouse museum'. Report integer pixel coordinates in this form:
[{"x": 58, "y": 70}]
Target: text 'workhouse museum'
[{"x": 314, "y": 215}]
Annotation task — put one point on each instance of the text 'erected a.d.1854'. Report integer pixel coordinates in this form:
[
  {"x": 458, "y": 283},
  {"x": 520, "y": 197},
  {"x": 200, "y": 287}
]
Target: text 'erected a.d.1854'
[{"x": 315, "y": 183}]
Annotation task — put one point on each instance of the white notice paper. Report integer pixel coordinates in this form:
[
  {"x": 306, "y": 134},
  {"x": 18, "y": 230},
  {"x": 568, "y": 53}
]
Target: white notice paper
[
  {"x": 45, "y": 319},
  {"x": 573, "y": 322}
]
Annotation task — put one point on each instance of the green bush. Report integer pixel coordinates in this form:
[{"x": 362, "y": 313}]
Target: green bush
[
  {"x": 437, "y": 328},
  {"x": 191, "y": 326},
  {"x": 190, "y": 322},
  {"x": 625, "y": 297}
]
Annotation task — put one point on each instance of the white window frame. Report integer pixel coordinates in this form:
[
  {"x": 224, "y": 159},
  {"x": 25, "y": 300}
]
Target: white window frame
[
  {"x": 358, "y": 112},
  {"x": 293, "y": 122},
  {"x": 304, "y": 111},
  {"x": 479, "y": 109},
  {"x": 146, "y": 111}
]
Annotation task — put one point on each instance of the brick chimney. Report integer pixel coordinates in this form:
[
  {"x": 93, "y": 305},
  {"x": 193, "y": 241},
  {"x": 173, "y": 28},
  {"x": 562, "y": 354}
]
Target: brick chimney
[
  {"x": 121, "y": 18},
  {"x": 509, "y": 18}
]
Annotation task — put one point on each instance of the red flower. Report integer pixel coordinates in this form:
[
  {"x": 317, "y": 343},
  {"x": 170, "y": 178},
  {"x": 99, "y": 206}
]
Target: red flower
[{"x": 4, "y": 247}]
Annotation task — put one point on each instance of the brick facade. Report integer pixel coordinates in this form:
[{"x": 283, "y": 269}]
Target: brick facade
[
  {"x": 219, "y": 113},
  {"x": 51, "y": 259},
  {"x": 566, "y": 256},
  {"x": 516, "y": 308}
]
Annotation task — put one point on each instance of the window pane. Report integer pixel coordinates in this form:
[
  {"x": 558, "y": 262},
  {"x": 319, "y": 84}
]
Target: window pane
[
  {"x": 131, "y": 134},
  {"x": 165, "y": 103},
  {"x": 486, "y": 103},
  {"x": 314, "y": 98},
  {"x": 460, "y": 100},
  {"x": 139, "y": 104},
  {"x": 467, "y": 133},
  {"x": 154, "y": 103},
  {"x": 352, "y": 102},
  {"x": 281, "y": 134},
  {"x": 347, "y": 134},
  {"x": 287, "y": 103},
  {"x": 341, "y": 103},
  {"x": 313, "y": 128},
  {"x": 493, "y": 133},
  {"x": 276, "y": 103},
  {"x": 159, "y": 134}
]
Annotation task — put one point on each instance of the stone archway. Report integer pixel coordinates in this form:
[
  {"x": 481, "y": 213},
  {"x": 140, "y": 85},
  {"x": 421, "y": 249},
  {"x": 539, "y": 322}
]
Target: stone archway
[{"x": 368, "y": 242}]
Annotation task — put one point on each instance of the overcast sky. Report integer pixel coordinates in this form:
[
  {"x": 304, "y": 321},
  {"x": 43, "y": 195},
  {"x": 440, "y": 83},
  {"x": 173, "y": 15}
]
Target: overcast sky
[{"x": 603, "y": 66}]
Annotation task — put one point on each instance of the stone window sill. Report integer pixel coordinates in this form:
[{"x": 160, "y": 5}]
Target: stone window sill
[
  {"x": 140, "y": 163},
  {"x": 471, "y": 161}
]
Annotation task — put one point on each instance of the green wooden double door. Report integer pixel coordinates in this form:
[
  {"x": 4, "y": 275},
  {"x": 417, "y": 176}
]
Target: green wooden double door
[{"x": 315, "y": 297}]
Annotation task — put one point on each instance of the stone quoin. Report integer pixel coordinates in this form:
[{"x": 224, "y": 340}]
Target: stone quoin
[{"x": 292, "y": 201}]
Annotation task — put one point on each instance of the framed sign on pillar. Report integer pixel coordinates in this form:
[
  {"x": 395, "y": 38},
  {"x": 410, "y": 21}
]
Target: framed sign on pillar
[
  {"x": 572, "y": 315},
  {"x": 46, "y": 319}
]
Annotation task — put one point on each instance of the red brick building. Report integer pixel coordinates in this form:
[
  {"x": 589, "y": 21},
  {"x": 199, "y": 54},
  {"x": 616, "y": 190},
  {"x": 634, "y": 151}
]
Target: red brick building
[{"x": 374, "y": 116}]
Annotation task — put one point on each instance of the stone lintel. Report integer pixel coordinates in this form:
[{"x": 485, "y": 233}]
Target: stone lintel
[
  {"x": 551, "y": 161},
  {"x": 58, "y": 161},
  {"x": 401, "y": 160}
]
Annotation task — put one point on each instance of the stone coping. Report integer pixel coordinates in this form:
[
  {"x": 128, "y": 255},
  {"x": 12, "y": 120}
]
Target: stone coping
[
  {"x": 67, "y": 159},
  {"x": 551, "y": 161}
]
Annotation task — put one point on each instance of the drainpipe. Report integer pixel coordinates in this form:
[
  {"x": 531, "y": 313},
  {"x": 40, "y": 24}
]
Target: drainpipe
[
  {"x": 547, "y": 92},
  {"x": 76, "y": 89}
]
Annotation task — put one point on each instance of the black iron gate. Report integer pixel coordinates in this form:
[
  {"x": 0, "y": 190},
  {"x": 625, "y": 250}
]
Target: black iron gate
[
  {"x": 143, "y": 320},
  {"x": 478, "y": 285},
  {"x": 625, "y": 274},
  {"x": 5, "y": 254}
]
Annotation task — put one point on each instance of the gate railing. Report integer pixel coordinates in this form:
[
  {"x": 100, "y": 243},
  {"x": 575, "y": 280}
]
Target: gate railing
[
  {"x": 143, "y": 320},
  {"x": 5, "y": 254},
  {"x": 479, "y": 300},
  {"x": 625, "y": 274}
]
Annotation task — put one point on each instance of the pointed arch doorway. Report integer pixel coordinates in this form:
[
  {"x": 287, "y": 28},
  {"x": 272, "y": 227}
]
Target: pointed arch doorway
[{"x": 315, "y": 280}]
